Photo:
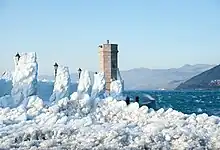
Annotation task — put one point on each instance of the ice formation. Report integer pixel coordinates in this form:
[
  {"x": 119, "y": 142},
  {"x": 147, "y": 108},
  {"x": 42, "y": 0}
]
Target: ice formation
[
  {"x": 67, "y": 124},
  {"x": 98, "y": 88},
  {"x": 7, "y": 101},
  {"x": 61, "y": 85},
  {"x": 24, "y": 77},
  {"x": 82, "y": 96},
  {"x": 24, "y": 81},
  {"x": 84, "y": 86},
  {"x": 116, "y": 89},
  {"x": 84, "y": 82},
  {"x": 113, "y": 125}
]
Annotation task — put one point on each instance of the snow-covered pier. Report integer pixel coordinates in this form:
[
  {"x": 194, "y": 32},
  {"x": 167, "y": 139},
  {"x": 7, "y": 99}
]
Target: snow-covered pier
[{"x": 89, "y": 118}]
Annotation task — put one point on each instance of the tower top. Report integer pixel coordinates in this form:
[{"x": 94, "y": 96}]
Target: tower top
[{"x": 108, "y": 47}]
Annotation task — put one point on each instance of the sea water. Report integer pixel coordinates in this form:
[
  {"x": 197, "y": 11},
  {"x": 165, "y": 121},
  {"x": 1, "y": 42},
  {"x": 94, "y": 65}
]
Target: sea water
[{"x": 185, "y": 101}]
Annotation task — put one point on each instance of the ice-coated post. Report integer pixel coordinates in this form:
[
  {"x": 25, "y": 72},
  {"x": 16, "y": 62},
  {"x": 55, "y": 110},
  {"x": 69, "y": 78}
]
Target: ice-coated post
[
  {"x": 55, "y": 69},
  {"x": 79, "y": 72},
  {"x": 18, "y": 57}
]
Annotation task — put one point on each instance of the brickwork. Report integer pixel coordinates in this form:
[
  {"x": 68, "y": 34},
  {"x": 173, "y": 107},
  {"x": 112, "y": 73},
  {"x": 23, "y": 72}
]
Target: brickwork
[{"x": 108, "y": 54}]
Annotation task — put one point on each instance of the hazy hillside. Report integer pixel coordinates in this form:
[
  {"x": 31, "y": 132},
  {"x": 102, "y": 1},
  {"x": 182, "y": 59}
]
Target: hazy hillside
[
  {"x": 206, "y": 80},
  {"x": 144, "y": 78}
]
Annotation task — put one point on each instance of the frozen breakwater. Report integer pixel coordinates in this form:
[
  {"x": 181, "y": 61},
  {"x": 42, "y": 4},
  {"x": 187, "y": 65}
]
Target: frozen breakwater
[
  {"x": 113, "y": 125},
  {"x": 95, "y": 120}
]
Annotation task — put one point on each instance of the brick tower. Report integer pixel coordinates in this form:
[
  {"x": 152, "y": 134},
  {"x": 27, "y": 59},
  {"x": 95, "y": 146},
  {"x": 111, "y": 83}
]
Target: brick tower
[{"x": 108, "y": 54}]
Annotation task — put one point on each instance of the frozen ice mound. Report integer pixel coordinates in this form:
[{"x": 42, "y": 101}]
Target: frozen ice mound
[
  {"x": 24, "y": 77},
  {"x": 116, "y": 89},
  {"x": 84, "y": 82},
  {"x": 7, "y": 101},
  {"x": 98, "y": 88},
  {"x": 69, "y": 123},
  {"x": 61, "y": 85},
  {"x": 113, "y": 125},
  {"x": 83, "y": 90},
  {"x": 24, "y": 81}
]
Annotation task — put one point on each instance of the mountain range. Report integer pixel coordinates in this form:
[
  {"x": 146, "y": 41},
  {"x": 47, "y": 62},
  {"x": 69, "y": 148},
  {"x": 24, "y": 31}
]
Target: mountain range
[
  {"x": 209, "y": 79},
  {"x": 154, "y": 79},
  {"x": 151, "y": 79}
]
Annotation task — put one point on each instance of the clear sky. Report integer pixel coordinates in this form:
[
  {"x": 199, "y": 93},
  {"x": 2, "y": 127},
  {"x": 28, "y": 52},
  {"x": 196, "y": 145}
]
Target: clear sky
[{"x": 150, "y": 33}]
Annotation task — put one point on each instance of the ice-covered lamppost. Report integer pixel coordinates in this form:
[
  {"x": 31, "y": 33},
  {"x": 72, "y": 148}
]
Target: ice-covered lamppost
[
  {"x": 17, "y": 56},
  {"x": 79, "y": 72},
  {"x": 55, "y": 69}
]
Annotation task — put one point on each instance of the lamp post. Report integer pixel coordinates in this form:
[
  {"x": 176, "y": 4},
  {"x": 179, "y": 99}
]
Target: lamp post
[
  {"x": 79, "y": 71},
  {"x": 18, "y": 57},
  {"x": 55, "y": 68}
]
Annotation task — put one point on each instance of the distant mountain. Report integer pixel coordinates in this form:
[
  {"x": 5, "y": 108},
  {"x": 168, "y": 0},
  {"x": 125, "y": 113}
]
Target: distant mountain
[
  {"x": 144, "y": 78},
  {"x": 209, "y": 79},
  {"x": 150, "y": 79}
]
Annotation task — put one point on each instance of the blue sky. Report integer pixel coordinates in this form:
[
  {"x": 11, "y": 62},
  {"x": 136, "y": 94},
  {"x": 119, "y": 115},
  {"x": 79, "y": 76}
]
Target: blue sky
[{"x": 153, "y": 34}]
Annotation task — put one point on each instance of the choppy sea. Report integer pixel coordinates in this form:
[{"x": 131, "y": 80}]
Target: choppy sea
[{"x": 185, "y": 101}]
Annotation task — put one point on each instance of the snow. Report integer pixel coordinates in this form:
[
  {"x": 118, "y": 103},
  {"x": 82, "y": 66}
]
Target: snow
[
  {"x": 24, "y": 77},
  {"x": 68, "y": 122},
  {"x": 83, "y": 90},
  {"x": 61, "y": 85},
  {"x": 116, "y": 89},
  {"x": 6, "y": 101},
  {"x": 84, "y": 82},
  {"x": 98, "y": 88},
  {"x": 112, "y": 125}
]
